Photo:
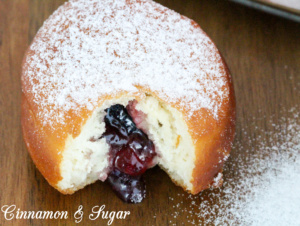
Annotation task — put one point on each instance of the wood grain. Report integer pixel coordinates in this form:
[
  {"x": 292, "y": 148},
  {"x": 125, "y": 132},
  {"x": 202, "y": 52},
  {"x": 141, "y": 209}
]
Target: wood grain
[{"x": 262, "y": 52}]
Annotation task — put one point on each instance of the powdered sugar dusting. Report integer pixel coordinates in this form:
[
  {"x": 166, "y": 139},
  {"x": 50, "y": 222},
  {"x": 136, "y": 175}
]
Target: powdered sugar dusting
[
  {"x": 264, "y": 190},
  {"x": 218, "y": 180},
  {"x": 88, "y": 48}
]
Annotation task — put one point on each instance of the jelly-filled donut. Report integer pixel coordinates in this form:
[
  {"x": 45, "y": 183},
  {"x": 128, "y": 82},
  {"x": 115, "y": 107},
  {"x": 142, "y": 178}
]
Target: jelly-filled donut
[{"x": 114, "y": 87}]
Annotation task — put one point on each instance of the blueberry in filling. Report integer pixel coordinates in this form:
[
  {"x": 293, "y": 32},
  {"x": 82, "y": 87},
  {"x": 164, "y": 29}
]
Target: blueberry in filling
[
  {"x": 130, "y": 189},
  {"x": 131, "y": 154}
]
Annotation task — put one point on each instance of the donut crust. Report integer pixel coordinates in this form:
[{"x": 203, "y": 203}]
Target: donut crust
[{"x": 45, "y": 143}]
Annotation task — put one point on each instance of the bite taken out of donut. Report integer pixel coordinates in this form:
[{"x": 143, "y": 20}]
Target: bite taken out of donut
[{"x": 114, "y": 87}]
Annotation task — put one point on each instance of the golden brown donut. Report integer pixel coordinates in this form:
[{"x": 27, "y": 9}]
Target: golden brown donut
[{"x": 91, "y": 54}]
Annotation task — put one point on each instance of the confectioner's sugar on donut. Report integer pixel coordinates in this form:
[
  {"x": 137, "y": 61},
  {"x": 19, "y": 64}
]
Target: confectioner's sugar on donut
[{"x": 90, "y": 47}]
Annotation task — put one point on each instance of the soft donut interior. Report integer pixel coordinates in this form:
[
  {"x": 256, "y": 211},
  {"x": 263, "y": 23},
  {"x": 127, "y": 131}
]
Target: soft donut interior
[{"x": 86, "y": 157}]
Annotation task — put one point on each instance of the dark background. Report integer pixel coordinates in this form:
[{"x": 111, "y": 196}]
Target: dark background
[{"x": 262, "y": 52}]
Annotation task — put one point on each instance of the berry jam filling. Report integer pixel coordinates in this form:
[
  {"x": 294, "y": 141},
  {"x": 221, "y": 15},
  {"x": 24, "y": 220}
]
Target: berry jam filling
[{"x": 131, "y": 154}]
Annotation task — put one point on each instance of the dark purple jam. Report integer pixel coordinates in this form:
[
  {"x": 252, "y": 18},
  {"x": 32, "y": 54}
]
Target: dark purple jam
[
  {"x": 130, "y": 189},
  {"x": 131, "y": 154}
]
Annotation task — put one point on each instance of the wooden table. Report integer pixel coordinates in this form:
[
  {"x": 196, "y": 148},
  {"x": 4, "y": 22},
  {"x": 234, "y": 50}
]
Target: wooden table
[{"x": 262, "y": 52}]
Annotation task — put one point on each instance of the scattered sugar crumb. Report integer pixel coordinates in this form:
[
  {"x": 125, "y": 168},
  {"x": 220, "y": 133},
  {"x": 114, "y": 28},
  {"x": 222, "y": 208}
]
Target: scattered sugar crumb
[{"x": 263, "y": 190}]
